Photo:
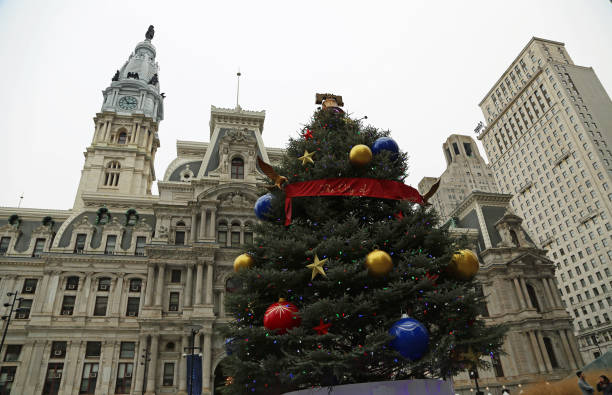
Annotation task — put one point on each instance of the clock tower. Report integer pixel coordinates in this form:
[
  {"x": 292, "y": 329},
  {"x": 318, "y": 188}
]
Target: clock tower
[{"x": 119, "y": 161}]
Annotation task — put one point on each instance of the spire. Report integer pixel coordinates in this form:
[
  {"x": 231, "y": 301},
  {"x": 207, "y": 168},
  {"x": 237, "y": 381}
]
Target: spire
[
  {"x": 238, "y": 74},
  {"x": 140, "y": 73}
]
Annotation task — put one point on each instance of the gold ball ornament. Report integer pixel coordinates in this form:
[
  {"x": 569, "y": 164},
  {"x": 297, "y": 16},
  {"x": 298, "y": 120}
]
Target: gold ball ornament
[
  {"x": 360, "y": 155},
  {"x": 243, "y": 261},
  {"x": 463, "y": 265},
  {"x": 378, "y": 263}
]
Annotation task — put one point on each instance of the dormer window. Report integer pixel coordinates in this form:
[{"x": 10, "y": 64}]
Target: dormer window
[
  {"x": 111, "y": 241},
  {"x": 140, "y": 245},
  {"x": 237, "y": 168},
  {"x": 79, "y": 246},
  {"x": 4, "y": 245},
  {"x": 38, "y": 248}
]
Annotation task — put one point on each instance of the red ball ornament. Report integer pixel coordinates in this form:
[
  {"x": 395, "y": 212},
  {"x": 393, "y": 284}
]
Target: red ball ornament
[{"x": 281, "y": 316}]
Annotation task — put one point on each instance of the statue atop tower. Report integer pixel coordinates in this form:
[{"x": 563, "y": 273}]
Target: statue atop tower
[{"x": 150, "y": 33}]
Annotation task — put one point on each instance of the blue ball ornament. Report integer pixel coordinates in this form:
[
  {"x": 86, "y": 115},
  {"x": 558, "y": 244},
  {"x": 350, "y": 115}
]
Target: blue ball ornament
[
  {"x": 263, "y": 205},
  {"x": 229, "y": 345},
  {"x": 411, "y": 338},
  {"x": 385, "y": 144}
]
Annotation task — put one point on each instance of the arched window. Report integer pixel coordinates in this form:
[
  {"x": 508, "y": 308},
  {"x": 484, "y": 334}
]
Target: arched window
[
  {"x": 235, "y": 233},
  {"x": 179, "y": 236},
  {"x": 111, "y": 177},
  {"x": 514, "y": 238},
  {"x": 248, "y": 233},
  {"x": 551, "y": 352},
  {"x": 237, "y": 168},
  {"x": 122, "y": 138},
  {"x": 533, "y": 298},
  {"x": 222, "y": 232}
]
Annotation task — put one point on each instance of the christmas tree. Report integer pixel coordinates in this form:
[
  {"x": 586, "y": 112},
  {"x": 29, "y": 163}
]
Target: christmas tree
[{"x": 343, "y": 250}]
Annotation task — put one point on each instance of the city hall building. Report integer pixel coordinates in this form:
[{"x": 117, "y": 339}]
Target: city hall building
[{"x": 110, "y": 288}]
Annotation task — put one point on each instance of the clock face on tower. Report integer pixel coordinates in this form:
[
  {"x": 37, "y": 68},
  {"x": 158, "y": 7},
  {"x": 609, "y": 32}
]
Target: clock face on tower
[{"x": 128, "y": 102}]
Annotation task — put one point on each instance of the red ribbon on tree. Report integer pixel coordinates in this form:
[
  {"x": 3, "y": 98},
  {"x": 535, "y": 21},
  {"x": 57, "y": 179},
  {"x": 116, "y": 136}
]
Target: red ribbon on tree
[{"x": 366, "y": 187}]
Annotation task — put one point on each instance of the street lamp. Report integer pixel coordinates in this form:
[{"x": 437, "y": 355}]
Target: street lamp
[
  {"x": 193, "y": 328},
  {"x": 8, "y": 317},
  {"x": 146, "y": 358},
  {"x": 594, "y": 338},
  {"x": 474, "y": 375}
]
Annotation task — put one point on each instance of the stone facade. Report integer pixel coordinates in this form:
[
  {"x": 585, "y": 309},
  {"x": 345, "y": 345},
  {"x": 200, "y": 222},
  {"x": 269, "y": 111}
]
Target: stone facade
[
  {"x": 549, "y": 141},
  {"x": 518, "y": 282},
  {"x": 111, "y": 286},
  {"x": 465, "y": 171}
]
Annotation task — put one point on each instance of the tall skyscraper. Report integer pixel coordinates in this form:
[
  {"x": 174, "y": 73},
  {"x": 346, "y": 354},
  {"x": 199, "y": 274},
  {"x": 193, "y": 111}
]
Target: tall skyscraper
[
  {"x": 549, "y": 141},
  {"x": 465, "y": 171}
]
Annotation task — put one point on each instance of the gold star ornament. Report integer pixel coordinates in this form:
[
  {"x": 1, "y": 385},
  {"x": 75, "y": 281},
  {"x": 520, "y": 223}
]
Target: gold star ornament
[
  {"x": 306, "y": 158},
  {"x": 317, "y": 267}
]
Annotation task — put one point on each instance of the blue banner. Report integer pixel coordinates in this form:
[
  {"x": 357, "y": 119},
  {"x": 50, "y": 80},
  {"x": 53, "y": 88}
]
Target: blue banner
[{"x": 194, "y": 371}]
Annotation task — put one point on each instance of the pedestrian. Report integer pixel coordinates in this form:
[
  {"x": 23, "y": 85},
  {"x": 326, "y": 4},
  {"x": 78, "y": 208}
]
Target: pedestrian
[
  {"x": 583, "y": 385},
  {"x": 604, "y": 385}
]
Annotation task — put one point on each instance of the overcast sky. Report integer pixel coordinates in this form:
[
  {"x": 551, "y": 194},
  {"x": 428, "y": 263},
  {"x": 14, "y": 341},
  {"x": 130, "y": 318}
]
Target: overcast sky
[{"x": 418, "y": 68}]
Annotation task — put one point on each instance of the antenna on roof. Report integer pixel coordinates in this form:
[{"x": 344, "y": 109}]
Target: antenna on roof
[
  {"x": 20, "y": 199},
  {"x": 238, "y": 74}
]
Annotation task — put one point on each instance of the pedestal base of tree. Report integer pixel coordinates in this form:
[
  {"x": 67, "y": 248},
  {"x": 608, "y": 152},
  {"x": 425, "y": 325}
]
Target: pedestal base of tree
[{"x": 400, "y": 387}]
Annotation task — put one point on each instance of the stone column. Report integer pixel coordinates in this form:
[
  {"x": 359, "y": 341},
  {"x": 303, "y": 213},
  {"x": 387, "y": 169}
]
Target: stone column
[
  {"x": 182, "y": 371},
  {"x": 36, "y": 358},
  {"x": 551, "y": 300},
  {"x": 50, "y": 293},
  {"x": 241, "y": 234},
  {"x": 568, "y": 352},
  {"x": 203, "y": 224},
  {"x": 159, "y": 286},
  {"x": 149, "y": 286},
  {"x": 574, "y": 347},
  {"x": 152, "y": 371},
  {"x": 116, "y": 296},
  {"x": 106, "y": 367},
  {"x": 221, "y": 303},
  {"x": 524, "y": 288},
  {"x": 73, "y": 350},
  {"x": 141, "y": 347},
  {"x": 536, "y": 352},
  {"x": 212, "y": 225},
  {"x": 39, "y": 302},
  {"x": 21, "y": 376},
  {"x": 194, "y": 228},
  {"x": 209, "y": 282},
  {"x": 519, "y": 293},
  {"x": 198, "y": 288},
  {"x": 83, "y": 296},
  {"x": 544, "y": 351},
  {"x": 206, "y": 363},
  {"x": 483, "y": 228},
  {"x": 198, "y": 342},
  {"x": 555, "y": 292},
  {"x": 189, "y": 286}
]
